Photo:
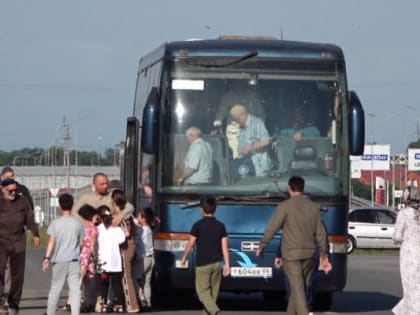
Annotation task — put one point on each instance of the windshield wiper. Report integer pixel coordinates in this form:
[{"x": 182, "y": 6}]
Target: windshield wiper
[
  {"x": 249, "y": 55},
  {"x": 264, "y": 196},
  {"x": 196, "y": 203}
]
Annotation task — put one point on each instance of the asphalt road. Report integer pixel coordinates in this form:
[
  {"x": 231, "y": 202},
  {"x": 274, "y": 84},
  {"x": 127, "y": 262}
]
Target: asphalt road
[{"x": 373, "y": 288}]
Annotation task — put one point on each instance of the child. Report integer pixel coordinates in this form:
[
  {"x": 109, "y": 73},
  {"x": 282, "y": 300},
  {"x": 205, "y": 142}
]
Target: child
[
  {"x": 88, "y": 253},
  {"x": 144, "y": 253},
  {"x": 65, "y": 237},
  {"x": 128, "y": 250},
  {"x": 109, "y": 240},
  {"x": 212, "y": 244}
]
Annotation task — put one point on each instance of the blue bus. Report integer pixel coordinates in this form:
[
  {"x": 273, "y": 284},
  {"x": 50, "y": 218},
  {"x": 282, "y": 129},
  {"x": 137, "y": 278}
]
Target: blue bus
[{"x": 195, "y": 83}]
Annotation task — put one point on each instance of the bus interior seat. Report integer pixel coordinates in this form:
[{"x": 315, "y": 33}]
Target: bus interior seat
[
  {"x": 285, "y": 151},
  {"x": 282, "y": 153},
  {"x": 304, "y": 157},
  {"x": 179, "y": 149},
  {"x": 220, "y": 158}
]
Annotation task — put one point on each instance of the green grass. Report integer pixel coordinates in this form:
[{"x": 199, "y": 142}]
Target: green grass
[
  {"x": 377, "y": 252},
  {"x": 42, "y": 234}
]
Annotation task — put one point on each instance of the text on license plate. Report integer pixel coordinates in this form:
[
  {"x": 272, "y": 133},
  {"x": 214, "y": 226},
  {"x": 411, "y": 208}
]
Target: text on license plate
[{"x": 251, "y": 272}]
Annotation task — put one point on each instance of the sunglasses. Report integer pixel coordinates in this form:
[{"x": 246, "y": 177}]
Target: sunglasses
[{"x": 12, "y": 191}]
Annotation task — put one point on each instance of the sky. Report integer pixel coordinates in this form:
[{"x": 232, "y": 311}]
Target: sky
[{"x": 77, "y": 60}]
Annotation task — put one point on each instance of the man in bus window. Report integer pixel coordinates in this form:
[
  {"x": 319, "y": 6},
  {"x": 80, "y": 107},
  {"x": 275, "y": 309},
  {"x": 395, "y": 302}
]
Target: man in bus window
[
  {"x": 301, "y": 127},
  {"x": 198, "y": 165},
  {"x": 239, "y": 92},
  {"x": 253, "y": 141}
]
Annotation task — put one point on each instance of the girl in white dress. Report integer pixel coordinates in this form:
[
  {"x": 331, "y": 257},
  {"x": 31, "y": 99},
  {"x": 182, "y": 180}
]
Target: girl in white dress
[{"x": 109, "y": 239}]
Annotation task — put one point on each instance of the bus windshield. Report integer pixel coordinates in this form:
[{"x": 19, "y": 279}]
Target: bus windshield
[{"x": 244, "y": 129}]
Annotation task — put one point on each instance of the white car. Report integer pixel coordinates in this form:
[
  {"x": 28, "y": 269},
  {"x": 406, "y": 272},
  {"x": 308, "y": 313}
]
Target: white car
[{"x": 371, "y": 227}]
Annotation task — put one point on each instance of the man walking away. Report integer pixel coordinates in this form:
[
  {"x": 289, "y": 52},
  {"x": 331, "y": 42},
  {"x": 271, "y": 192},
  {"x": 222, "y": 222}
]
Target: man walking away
[
  {"x": 303, "y": 233},
  {"x": 63, "y": 249}
]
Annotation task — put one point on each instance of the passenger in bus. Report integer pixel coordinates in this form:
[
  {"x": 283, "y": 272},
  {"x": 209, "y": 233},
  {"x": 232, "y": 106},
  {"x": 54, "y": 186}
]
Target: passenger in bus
[
  {"x": 198, "y": 165},
  {"x": 301, "y": 127},
  {"x": 239, "y": 92},
  {"x": 253, "y": 141}
]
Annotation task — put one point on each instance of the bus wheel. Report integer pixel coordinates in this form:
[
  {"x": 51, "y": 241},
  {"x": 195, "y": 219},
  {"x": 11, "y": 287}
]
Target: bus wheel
[
  {"x": 351, "y": 244},
  {"x": 323, "y": 301}
]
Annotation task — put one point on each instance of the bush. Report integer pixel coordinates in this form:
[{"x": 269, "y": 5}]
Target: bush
[{"x": 42, "y": 234}]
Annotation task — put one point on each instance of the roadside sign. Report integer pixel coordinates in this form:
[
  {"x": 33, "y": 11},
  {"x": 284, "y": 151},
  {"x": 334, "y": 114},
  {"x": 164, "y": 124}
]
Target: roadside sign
[{"x": 54, "y": 191}]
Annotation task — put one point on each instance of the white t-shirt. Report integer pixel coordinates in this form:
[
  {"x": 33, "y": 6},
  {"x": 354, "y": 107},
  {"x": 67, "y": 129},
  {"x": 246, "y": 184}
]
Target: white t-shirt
[{"x": 109, "y": 240}]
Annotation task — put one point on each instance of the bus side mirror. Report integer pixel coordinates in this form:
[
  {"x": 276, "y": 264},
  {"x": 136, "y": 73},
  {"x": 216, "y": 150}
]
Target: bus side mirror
[
  {"x": 356, "y": 121},
  {"x": 150, "y": 123}
]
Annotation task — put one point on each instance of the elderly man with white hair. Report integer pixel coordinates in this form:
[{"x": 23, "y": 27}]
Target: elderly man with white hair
[
  {"x": 198, "y": 166},
  {"x": 253, "y": 139}
]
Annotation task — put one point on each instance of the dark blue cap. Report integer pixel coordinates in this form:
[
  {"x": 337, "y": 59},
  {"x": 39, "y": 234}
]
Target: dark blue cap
[{"x": 7, "y": 182}]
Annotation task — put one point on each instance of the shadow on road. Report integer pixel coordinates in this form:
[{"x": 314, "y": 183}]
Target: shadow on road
[
  {"x": 363, "y": 301},
  {"x": 343, "y": 302}
]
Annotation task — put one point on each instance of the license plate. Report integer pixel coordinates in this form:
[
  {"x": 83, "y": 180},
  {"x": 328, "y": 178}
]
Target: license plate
[{"x": 251, "y": 272}]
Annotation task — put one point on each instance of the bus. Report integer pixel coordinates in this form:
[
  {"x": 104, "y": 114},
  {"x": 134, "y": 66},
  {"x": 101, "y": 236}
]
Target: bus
[{"x": 190, "y": 83}]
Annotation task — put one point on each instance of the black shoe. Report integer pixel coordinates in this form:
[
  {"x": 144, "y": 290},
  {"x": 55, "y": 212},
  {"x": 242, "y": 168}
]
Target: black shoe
[
  {"x": 147, "y": 308},
  {"x": 86, "y": 308}
]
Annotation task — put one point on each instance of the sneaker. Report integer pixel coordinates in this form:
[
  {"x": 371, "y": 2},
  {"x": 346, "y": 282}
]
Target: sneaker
[
  {"x": 98, "y": 305},
  {"x": 66, "y": 307}
]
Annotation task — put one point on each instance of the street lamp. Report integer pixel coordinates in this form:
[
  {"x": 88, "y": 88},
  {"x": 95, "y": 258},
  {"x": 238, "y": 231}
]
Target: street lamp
[
  {"x": 372, "y": 116},
  {"x": 400, "y": 158}
]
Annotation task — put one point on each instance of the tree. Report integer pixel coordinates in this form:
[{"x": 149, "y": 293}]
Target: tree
[
  {"x": 54, "y": 155},
  {"x": 414, "y": 144},
  {"x": 361, "y": 190}
]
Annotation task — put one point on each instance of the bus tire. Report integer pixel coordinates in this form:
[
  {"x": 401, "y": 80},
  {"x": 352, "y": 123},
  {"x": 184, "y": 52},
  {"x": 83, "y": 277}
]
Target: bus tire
[
  {"x": 351, "y": 244},
  {"x": 323, "y": 301}
]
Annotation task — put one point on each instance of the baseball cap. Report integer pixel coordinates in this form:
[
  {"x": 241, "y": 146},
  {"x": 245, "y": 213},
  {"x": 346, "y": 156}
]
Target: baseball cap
[{"x": 7, "y": 182}]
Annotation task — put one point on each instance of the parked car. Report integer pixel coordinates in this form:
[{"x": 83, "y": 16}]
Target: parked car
[{"x": 371, "y": 227}]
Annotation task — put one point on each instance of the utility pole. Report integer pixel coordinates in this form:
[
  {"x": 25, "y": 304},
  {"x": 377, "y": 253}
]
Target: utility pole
[
  {"x": 66, "y": 149},
  {"x": 418, "y": 131}
]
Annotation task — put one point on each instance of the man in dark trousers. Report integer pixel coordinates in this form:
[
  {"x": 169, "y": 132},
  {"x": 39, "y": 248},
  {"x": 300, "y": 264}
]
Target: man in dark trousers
[
  {"x": 8, "y": 173},
  {"x": 16, "y": 215},
  {"x": 303, "y": 233}
]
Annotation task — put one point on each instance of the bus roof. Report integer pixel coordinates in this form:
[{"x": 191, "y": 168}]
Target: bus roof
[{"x": 230, "y": 47}]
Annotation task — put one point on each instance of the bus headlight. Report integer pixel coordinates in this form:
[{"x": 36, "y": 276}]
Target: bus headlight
[{"x": 171, "y": 242}]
